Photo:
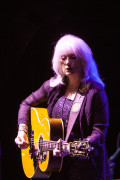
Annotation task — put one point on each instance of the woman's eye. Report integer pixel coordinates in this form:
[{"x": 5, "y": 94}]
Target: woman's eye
[
  {"x": 63, "y": 57},
  {"x": 72, "y": 56}
]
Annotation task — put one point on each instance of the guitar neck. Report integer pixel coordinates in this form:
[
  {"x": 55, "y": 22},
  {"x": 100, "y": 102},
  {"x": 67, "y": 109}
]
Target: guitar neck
[
  {"x": 76, "y": 148},
  {"x": 51, "y": 145}
]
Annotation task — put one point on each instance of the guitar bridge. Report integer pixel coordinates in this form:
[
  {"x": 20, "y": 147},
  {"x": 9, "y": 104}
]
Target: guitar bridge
[{"x": 32, "y": 150}]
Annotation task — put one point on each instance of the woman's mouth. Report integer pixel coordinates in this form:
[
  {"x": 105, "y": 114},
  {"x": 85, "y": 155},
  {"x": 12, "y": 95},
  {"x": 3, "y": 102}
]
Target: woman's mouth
[{"x": 69, "y": 69}]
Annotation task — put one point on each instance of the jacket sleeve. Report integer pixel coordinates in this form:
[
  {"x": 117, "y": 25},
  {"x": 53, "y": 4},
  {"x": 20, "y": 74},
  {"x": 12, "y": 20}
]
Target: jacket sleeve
[
  {"x": 34, "y": 99},
  {"x": 99, "y": 118}
]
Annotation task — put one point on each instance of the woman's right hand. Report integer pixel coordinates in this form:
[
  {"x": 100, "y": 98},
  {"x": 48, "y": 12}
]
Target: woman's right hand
[{"x": 21, "y": 140}]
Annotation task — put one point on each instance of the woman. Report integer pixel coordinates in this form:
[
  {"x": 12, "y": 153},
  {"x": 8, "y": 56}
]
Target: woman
[{"x": 76, "y": 74}]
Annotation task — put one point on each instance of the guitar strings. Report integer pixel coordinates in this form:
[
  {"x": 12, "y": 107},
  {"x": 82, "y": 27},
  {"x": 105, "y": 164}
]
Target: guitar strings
[
  {"x": 46, "y": 141},
  {"x": 43, "y": 142}
]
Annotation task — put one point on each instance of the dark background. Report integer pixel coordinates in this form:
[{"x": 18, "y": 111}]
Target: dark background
[{"x": 29, "y": 31}]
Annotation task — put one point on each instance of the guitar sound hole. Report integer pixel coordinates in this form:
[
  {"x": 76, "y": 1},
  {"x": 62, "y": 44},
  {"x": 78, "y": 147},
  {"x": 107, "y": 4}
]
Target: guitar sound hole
[{"x": 42, "y": 153}]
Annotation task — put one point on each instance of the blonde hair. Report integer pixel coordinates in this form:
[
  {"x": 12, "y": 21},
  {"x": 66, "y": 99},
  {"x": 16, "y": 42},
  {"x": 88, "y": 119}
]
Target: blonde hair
[{"x": 73, "y": 44}]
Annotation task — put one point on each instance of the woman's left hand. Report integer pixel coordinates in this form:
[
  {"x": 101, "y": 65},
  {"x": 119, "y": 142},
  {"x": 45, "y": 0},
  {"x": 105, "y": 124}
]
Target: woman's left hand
[{"x": 57, "y": 152}]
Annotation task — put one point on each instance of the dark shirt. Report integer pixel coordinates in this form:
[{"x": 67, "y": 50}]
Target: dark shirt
[{"x": 61, "y": 110}]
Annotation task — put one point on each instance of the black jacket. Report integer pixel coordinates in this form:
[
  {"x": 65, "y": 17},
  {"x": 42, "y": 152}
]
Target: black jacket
[{"x": 93, "y": 118}]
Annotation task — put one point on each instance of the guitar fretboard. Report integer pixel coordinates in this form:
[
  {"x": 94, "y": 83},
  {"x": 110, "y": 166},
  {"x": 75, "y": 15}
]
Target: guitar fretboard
[{"x": 50, "y": 145}]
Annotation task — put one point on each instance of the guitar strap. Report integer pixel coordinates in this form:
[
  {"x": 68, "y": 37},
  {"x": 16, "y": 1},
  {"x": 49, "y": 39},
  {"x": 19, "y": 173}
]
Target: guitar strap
[{"x": 74, "y": 113}]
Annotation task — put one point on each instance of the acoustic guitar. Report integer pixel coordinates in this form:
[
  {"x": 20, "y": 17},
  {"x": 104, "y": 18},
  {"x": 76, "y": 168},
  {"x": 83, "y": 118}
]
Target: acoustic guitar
[{"x": 43, "y": 135}]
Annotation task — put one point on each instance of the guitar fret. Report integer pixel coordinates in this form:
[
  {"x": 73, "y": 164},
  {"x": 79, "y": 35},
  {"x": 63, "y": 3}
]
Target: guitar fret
[{"x": 49, "y": 145}]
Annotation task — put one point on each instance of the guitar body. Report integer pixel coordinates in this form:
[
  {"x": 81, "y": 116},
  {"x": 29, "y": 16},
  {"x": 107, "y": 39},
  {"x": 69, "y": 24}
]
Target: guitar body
[{"x": 36, "y": 162}]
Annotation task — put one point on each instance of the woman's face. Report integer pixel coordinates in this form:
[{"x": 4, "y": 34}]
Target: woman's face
[{"x": 70, "y": 64}]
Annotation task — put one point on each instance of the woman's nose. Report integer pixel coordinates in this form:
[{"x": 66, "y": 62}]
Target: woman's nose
[{"x": 67, "y": 60}]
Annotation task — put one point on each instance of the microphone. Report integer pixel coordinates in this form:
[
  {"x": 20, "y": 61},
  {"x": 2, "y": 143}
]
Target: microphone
[{"x": 115, "y": 156}]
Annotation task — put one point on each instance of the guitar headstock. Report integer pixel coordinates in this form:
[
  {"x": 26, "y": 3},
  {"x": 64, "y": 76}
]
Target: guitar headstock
[{"x": 80, "y": 149}]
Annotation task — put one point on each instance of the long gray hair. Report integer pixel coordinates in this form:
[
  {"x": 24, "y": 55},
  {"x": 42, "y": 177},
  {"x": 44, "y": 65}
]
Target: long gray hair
[{"x": 73, "y": 44}]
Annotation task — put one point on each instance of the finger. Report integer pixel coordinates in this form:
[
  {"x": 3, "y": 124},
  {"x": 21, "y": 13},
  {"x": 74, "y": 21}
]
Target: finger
[
  {"x": 60, "y": 140},
  {"x": 17, "y": 140},
  {"x": 23, "y": 146},
  {"x": 23, "y": 141},
  {"x": 56, "y": 152}
]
